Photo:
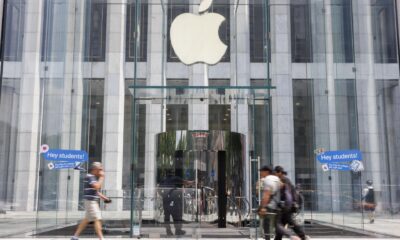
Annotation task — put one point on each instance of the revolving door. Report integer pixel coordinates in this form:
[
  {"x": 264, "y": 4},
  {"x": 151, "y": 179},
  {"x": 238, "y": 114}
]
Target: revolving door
[{"x": 211, "y": 168}]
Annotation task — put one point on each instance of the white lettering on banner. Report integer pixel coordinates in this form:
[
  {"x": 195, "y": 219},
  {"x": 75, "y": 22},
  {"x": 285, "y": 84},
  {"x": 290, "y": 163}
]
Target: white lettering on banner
[
  {"x": 53, "y": 155},
  {"x": 345, "y": 156},
  {"x": 69, "y": 155},
  {"x": 326, "y": 157}
]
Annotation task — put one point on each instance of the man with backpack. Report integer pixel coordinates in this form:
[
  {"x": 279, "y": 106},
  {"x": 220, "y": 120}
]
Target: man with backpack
[
  {"x": 269, "y": 208},
  {"x": 369, "y": 203},
  {"x": 289, "y": 203}
]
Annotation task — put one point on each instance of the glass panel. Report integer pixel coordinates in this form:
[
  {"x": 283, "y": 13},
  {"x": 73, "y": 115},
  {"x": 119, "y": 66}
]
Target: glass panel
[
  {"x": 388, "y": 118},
  {"x": 10, "y": 93},
  {"x": 301, "y": 30},
  {"x": 303, "y": 118},
  {"x": 14, "y": 24},
  {"x": 342, "y": 31},
  {"x": 130, "y": 32},
  {"x": 53, "y": 197},
  {"x": 54, "y": 34},
  {"x": 257, "y": 31},
  {"x": 384, "y": 31}
]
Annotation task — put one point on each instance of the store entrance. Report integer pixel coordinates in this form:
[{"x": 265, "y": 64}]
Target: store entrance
[
  {"x": 194, "y": 178},
  {"x": 194, "y": 159}
]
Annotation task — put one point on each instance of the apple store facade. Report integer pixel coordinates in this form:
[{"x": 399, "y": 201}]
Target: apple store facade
[{"x": 206, "y": 90}]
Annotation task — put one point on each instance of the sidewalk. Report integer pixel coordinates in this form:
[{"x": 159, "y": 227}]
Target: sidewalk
[
  {"x": 19, "y": 224},
  {"x": 186, "y": 238},
  {"x": 387, "y": 225}
]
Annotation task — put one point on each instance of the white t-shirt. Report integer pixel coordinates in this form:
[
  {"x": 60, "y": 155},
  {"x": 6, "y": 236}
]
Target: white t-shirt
[{"x": 272, "y": 183}]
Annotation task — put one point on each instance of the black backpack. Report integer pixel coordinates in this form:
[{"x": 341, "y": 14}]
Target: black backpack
[
  {"x": 370, "y": 196},
  {"x": 291, "y": 199}
]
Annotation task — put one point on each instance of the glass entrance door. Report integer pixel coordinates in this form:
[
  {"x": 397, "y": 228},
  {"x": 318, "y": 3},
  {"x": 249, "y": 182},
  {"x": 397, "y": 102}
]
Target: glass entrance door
[{"x": 195, "y": 182}]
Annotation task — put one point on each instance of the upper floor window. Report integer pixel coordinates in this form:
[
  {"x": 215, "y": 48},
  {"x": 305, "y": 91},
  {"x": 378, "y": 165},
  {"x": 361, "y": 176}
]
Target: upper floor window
[
  {"x": 13, "y": 39},
  {"x": 342, "y": 31},
  {"x": 95, "y": 30},
  {"x": 258, "y": 42},
  {"x": 54, "y": 30},
  {"x": 142, "y": 32},
  {"x": 384, "y": 31},
  {"x": 301, "y": 31}
]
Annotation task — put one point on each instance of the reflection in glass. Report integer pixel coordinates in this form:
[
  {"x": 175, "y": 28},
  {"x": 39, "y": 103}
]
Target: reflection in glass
[
  {"x": 128, "y": 141},
  {"x": 177, "y": 117},
  {"x": 388, "y": 101},
  {"x": 347, "y": 138},
  {"x": 51, "y": 135},
  {"x": 219, "y": 117},
  {"x": 10, "y": 94},
  {"x": 92, "y": 123},
  {"x": 303, "y": 118},
  {"x": 92, "y": 119}
]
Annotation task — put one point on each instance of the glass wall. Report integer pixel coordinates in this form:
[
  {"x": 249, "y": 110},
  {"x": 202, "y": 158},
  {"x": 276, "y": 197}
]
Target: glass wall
[{"x": 103, "y": 77}]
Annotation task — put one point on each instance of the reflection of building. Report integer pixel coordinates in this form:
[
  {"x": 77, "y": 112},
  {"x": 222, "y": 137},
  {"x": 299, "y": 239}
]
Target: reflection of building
[{"x": 68, "y": 65}]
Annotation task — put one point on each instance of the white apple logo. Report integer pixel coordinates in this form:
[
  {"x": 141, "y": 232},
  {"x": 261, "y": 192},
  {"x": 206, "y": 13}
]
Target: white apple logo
[{"x": 195, "y": 38}]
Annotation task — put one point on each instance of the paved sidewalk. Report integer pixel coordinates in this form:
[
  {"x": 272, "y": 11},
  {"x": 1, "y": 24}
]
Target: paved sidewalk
[{"x": 336, "y": 238}]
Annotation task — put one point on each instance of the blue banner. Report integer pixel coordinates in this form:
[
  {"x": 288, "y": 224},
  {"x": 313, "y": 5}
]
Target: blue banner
[
  {"x": 339, "y": 156},
  {"x": 62, "y": 155},
  {"x": 61, "y": 165}
]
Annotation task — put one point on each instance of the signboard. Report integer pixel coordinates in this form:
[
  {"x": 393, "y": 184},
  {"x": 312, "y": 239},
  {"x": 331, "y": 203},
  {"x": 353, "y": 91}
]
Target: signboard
[
  {"x": 344, "y": 160},
  {"x": 63, "y": 158},
  {"x": 63, "y": 155},
  {"x": 200, "y": 134},
  {"x": 339, "y": 156}
]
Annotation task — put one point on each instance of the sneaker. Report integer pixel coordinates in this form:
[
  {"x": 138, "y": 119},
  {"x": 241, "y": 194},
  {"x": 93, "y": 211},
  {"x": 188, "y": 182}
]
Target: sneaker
[
  {"x": 169, "y": 232},
  {"x": 74, "y": 238},
  {"x": 180, "y": 232}
]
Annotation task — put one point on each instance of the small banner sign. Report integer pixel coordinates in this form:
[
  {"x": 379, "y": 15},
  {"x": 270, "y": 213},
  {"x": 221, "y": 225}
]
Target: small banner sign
[
  {"x": 63, "y": 158},
  {"x": 339, "y": 156},
  {"x": 344, "y": 160},
  {"x": 62, "y": 155}
]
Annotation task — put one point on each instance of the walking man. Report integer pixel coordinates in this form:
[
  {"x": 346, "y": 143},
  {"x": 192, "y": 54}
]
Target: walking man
[
  {"x": 288, "y": 204},
  {"x": 369, "y": 201},
  {"x": 92, "y": 184},
  {"x": 269, "y": 207}
]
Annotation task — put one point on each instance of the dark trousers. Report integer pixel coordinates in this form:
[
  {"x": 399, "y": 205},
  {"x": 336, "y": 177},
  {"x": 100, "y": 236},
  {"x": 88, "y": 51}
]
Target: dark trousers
[
  {"x": 274, "y": 220},
  {"x": 287, "y": 218},
  {"x": 172, "y": 205}
]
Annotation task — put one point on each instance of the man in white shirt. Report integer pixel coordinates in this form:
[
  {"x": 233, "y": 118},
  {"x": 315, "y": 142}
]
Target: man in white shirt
[{"x": 269, "y": 207}]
